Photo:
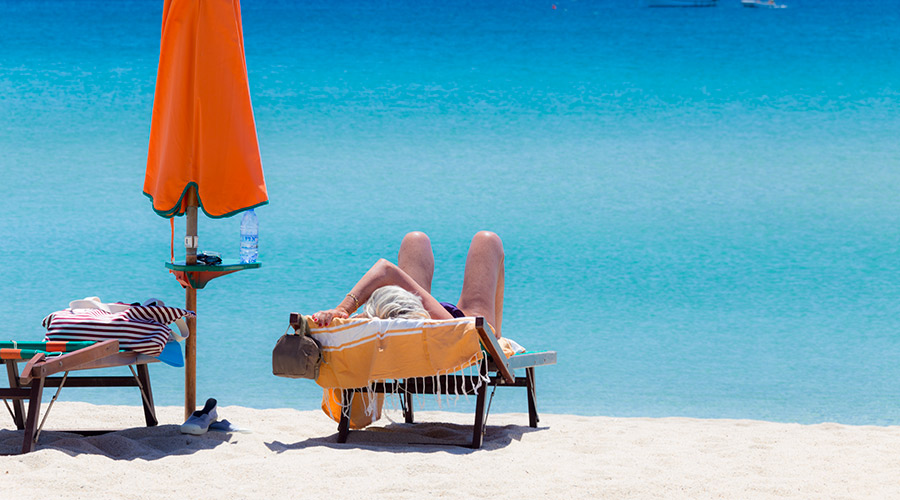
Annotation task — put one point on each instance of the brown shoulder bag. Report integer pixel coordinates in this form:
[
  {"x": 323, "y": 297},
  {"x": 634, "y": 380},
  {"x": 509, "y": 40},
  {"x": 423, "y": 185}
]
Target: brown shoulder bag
[{"x": 297, "y": 355}]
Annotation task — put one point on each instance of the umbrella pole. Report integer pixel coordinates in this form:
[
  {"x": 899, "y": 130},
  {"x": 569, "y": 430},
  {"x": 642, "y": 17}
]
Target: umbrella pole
[{"x": 190, "y": 300}]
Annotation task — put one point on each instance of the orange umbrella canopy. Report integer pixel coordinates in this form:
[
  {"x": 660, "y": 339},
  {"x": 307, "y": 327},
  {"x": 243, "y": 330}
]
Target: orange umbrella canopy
[{"x": 202, "y": 132}]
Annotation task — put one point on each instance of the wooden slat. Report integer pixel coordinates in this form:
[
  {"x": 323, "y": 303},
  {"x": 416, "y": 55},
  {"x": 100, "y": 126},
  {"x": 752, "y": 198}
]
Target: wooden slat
[
  {"x": 99, "y": 381},
  {"x": 15, "y": 394},
  {"x": 122, "y": 358}
]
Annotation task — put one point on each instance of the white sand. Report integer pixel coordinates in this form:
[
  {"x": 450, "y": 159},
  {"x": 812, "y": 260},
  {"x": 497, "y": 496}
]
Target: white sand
[{"x": 294, "y": 454}]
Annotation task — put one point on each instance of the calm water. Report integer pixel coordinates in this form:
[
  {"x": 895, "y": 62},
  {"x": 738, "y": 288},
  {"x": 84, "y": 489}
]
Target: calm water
[{"x": 699, "y": 206}]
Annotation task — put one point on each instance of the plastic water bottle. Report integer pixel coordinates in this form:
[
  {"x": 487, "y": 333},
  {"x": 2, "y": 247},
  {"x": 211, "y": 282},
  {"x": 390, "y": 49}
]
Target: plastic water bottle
[{"x": 249, "y": 237}]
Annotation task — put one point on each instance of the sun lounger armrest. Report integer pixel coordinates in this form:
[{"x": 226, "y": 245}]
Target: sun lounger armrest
[
  {"x": 73, "y": 360},
  {"x": 26, "y": 372},
  {"x": 489, "y": 341},
  {"x": 530, "y": 359}
]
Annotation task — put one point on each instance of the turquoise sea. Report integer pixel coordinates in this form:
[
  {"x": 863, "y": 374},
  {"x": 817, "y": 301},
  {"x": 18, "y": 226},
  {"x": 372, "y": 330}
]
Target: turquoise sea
[{"x": 699, "y": 206}]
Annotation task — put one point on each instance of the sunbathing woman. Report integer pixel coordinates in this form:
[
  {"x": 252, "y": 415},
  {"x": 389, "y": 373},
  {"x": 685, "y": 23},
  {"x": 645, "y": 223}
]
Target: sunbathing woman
[{"x": 383, "y": 288}]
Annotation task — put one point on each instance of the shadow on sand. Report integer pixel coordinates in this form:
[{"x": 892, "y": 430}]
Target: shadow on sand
[
  {"x": 422, "y": 437},
  {"x": 148, "y": 443}
]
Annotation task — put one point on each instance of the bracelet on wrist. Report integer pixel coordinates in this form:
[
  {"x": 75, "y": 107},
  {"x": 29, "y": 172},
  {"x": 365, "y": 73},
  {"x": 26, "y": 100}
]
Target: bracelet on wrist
[{"x": 355, "y": 300}]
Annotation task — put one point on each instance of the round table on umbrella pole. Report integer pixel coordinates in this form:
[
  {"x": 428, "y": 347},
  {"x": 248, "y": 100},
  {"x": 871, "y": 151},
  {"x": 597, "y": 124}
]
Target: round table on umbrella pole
[{"x": 194, "y": 276}]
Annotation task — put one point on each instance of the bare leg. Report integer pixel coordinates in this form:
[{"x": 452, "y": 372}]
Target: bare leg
[
  {"x": 417, "y": 259},
  {"x": 482, "y": 291}
]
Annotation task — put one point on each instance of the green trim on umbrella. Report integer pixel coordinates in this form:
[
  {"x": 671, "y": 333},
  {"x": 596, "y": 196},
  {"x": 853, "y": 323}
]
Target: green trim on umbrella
[{"x": 173, "y": 212}]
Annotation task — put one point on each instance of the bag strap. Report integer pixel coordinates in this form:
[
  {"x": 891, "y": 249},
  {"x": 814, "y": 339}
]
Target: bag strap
[
  {"x": 183, "y": 331},
  {"x": 301, "y": 326}
]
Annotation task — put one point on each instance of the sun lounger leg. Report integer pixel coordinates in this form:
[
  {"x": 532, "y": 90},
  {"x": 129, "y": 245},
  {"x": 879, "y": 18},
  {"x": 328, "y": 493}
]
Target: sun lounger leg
[
  {"x": 406, "y": 401},
  {"x": 18, "y": 407},
  {"x": 34, "y": 409},
  {"x": 143, "y": 375},
  {"x": 532, "y": 407},
  {"x": 478, "y": 429},
  {"x": 344, "y": 424}
]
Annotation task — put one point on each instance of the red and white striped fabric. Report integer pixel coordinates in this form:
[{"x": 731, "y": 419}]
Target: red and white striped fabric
[{"x": 141, "y": 329}]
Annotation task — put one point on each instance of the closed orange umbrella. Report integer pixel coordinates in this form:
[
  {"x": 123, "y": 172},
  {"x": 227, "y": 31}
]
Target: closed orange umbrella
[
  {"x": 203, "y": 146},
  {"x": 202, "y": 133}
]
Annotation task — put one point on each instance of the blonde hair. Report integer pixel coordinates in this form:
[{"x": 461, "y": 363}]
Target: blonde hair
[{"x": 394, "y": 302}]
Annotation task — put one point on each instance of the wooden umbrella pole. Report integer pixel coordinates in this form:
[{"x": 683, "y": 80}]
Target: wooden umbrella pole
[{"x": 190, "y": 301}]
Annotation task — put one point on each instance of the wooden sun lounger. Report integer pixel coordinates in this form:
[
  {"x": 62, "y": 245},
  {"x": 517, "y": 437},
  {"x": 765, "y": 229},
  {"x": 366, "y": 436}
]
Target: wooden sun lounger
[
  {"x": 39, "y": 372},
  {"x": 496, "y": 366}
]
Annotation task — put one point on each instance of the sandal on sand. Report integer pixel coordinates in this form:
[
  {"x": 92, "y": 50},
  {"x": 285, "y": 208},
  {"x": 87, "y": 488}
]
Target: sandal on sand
[
  {"x": 199, "y": 421},
  {"x": 226, "y": 426}
]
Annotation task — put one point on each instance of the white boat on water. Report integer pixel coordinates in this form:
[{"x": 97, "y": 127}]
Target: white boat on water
[
  {"x": 762, "y": 4},
  {"x": 681, "y": 3}
]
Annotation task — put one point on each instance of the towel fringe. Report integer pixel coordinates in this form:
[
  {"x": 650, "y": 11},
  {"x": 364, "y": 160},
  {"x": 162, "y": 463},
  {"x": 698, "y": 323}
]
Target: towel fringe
[{"x": 469, "y": 369}]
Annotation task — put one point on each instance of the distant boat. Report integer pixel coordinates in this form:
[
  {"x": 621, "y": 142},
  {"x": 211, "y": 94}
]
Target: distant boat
[
  {"x": 681, "y": 3},
  {"x": 762, "y": 4}
]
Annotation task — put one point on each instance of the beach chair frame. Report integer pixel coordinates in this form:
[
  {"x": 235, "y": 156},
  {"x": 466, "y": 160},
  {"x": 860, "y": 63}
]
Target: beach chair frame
[
  {"x": 496, "y": 367},
  {"x": 41, "y": 371}
]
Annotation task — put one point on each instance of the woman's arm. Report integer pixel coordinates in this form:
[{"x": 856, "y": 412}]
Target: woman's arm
[{"x": 383, "y": 273}]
